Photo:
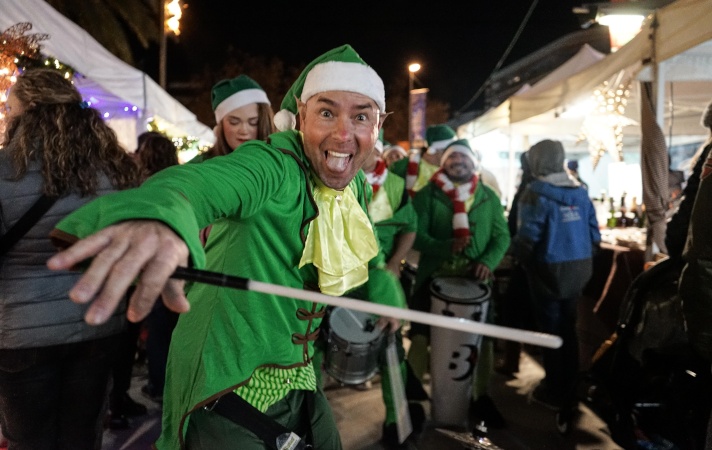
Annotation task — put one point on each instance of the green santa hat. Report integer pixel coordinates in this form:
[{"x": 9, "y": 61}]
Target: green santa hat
[
  {"x": 229, "y": 95},
  {"x": 438, "y": 137},
  {"x": 340, "y": 69},
  {"x": 462, "y": 146}
]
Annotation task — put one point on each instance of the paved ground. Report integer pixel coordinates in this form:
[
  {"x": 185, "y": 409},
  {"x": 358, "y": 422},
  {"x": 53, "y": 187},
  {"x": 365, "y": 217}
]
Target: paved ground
[{"x": 359, "y": 415}]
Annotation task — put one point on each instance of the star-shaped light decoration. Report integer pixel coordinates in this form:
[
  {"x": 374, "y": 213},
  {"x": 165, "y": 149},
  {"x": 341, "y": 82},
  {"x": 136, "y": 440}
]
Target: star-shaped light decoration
[
  {"x": 15, "y": 46},
  {"x": 603, "y": 129}
]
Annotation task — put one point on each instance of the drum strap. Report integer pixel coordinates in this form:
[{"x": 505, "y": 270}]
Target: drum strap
[{"x": 275, "y": 435}]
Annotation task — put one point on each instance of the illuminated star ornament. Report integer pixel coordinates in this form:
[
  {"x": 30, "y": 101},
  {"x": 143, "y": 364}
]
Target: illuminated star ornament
[{"x": 604, "y": 127}]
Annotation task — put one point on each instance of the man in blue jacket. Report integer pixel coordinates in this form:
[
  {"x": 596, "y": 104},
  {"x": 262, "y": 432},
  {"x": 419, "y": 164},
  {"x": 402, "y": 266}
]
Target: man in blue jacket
[{"x": 556, "y": 239}]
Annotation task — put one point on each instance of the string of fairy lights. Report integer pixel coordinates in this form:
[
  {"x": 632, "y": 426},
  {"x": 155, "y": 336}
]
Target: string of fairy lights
[{"x": 20, "y": 51}]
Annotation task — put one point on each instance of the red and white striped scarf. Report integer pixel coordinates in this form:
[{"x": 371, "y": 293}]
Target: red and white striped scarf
[
  {"x": 458, "y": 195},
  {"x": 411, "y": 175},
  {"x": 378, "y": 176}
]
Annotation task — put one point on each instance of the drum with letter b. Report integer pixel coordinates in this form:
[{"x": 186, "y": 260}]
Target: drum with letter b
[
  {"x": 454, "y": 354},
  {"x": 353, "y": 344}
]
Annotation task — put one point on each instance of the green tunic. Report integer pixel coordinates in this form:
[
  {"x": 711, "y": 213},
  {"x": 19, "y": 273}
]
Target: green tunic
[
  {"x": 263, "y": 193},
  {"x": 488, "y": 227}
]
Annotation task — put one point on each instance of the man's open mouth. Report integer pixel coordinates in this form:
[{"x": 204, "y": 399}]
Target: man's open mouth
[{"x": 336, "y": 161}]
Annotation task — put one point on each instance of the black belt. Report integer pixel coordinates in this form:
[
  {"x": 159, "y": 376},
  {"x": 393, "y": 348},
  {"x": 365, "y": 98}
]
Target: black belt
[{"x": 275, "y": 435}]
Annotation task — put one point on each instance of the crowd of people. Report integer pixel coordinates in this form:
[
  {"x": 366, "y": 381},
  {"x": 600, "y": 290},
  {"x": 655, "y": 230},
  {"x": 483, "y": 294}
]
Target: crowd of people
[{"x": 309, "y": 198}]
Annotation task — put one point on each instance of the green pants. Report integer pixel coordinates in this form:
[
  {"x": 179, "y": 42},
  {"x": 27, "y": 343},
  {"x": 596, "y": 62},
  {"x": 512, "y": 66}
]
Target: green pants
[{"x": 208, "y": 430}]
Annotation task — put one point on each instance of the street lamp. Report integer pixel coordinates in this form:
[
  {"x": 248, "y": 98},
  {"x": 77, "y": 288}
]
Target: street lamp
[
  {"x": 412, "y": 68},
  {"x": 171, "y": 13}
]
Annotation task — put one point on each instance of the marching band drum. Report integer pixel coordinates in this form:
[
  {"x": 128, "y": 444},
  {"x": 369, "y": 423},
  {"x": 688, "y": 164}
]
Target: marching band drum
[{"x": 454, "y": 354}]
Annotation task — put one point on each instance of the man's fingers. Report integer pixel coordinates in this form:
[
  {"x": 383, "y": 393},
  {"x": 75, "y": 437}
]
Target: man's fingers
[
  {"x": 389, "y": 324},
  {"x": 113, "y": 271},
  {"x": 155, "y": 281},
  {"x": 120, "y": 254},
  {"x": 80, "y": 251},
  {"x": 174, "y": 296}
]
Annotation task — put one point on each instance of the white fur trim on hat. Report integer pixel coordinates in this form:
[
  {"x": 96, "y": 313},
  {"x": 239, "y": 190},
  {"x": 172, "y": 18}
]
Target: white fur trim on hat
[
  {"x": 238, "y": 100},
  {"x": 395, "y": 148},
  {"x": 285, "y": 120},
  {"x": 345, "y": 76},
  {"x": 436, "y": 146},
  {"x": 460, "y": 149}
]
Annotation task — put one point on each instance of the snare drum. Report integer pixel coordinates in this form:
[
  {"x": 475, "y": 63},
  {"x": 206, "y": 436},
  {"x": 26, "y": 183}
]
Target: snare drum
[
  {"x": 353, "y": 344},
  {"x": 454, "y": 354}
]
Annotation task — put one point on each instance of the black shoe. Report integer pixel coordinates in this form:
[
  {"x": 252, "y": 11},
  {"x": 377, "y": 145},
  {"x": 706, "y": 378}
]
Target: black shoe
[
  {"x": 124, "y": 405},
  {"x": 117, "y": 422},
  {"x": 484, "y": 410}
]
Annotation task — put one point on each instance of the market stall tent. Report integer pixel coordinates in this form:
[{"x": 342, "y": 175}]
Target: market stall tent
[
  {"x": 672, "y": 52},
  {"x": 127, "y": 97}
]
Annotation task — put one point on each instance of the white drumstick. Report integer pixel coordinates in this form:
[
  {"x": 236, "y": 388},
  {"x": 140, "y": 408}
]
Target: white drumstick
[
  {"x": 453, "y": 323},
  {"x": 353, "y": 316}
]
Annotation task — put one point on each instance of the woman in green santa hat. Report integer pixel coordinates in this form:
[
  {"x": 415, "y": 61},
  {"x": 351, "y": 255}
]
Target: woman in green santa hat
[{"x": 242, "y": 113}]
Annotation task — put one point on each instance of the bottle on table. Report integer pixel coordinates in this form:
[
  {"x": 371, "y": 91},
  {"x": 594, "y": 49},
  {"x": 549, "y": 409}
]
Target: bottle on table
[
  {"x": 602, "y": 209},
  {"x": 611, "y": 223},
  {"x": 634, "y": 214},
  {"x": 622, "y": 217}
]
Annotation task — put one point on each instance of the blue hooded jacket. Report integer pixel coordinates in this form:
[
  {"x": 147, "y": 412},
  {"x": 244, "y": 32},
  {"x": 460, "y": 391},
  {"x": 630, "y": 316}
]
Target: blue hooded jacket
[{"x": 557, "y": 227}]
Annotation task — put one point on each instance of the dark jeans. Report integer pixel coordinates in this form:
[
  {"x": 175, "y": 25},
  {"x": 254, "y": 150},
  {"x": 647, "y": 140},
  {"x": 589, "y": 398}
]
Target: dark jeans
[
  {"x": 558, "y": 317},
  {"x": 160, "y": 322},
  {"x": 516, "y": 312},
  {"x": 124, "y": 359},
  {"x": 54, "y": 397}
]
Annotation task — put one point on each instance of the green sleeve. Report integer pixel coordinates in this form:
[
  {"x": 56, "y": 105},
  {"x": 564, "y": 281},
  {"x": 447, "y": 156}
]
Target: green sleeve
[
  {"x": 191, "y": 196},
  {"x": 499, "y": 238},
  {"x": 384, "y": 288},
  {"x": 407, "y": 216}
]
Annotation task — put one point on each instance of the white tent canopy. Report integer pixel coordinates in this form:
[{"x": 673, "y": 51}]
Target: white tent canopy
[
  {"x": 675, "y": 41},
  {"x": 683, "y": 53},
  {"x": 126, "y": 96},
  {"x": 500, "y": 116}
]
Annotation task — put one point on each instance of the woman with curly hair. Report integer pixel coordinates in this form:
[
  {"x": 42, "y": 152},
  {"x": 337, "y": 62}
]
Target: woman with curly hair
[{"x": 54, "y": 368}]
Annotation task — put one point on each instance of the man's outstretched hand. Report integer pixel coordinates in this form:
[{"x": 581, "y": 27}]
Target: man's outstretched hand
[{"x": 141, "y": 250}]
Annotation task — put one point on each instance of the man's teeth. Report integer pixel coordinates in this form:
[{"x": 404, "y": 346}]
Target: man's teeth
[{"x": 337, "y": 154}]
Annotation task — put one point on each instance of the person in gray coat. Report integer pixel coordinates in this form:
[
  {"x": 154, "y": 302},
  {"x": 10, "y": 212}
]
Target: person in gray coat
[{"x": 54, "y": 367}]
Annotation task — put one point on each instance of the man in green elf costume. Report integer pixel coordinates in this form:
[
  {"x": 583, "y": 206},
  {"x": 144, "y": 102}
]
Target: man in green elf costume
[
  {"x": 420, "y": 166},
  {"x": 296, "y": 211},
  {"x": 462, "y": 232}
]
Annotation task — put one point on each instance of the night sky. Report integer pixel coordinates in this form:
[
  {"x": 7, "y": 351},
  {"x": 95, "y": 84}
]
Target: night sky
[{"x": 458, "y": 46}]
